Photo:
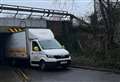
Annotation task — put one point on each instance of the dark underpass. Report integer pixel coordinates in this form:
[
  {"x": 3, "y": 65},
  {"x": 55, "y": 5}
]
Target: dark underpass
[{"x": 3, "y": 40}]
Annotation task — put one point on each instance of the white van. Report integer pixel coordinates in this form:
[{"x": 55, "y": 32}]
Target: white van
[{"x": 37, "y": 46}]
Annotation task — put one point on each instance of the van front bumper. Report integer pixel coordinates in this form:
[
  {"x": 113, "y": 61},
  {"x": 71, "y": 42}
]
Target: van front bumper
[{"x": 59, "y": 63}]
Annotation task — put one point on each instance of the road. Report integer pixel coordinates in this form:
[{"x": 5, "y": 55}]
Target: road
[
  {"x": 7, "y": 74},
  {"x": 73, "y": 75},
  {"x": 58, "y": 75}
]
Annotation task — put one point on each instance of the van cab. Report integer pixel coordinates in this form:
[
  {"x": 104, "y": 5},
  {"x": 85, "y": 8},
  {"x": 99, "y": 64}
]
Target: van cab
[{"x": 46, "y": 51}]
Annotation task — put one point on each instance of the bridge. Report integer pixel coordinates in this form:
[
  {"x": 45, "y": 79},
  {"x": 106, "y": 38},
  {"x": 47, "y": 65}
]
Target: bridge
[{"x": 21, "y": 16}]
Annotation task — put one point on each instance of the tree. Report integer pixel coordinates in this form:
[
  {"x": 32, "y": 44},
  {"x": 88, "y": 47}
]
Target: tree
[{"x": 106, "y": 10}]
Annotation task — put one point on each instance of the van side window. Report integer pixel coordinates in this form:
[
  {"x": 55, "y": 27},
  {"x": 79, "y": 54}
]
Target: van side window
[{"x": 35, "y": 46}]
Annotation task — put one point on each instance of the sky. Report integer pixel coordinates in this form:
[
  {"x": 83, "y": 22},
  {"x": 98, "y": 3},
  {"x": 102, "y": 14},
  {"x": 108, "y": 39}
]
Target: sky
[{"x": 79, "y": 8}]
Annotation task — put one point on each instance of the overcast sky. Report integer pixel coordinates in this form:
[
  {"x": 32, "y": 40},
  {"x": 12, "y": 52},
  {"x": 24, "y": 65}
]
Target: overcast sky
[{"x": 77, "y": 7}]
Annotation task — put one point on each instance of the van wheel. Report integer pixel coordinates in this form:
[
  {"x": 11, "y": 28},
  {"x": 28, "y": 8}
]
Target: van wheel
[
  {"x": 65, "y": 67},
  {"x": 43, "y": 65},
  {"x": 12, "y": 62}
]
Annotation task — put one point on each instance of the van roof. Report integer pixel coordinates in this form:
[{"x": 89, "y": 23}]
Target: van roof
[{"x": 41, "y": 34}]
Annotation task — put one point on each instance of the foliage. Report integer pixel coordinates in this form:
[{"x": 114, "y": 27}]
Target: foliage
[
  {"x": 98, "y": 59},
  {"x": 108, "y": 13}
]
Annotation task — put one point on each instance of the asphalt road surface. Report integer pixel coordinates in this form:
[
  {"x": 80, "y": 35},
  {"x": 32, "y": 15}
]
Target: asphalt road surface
[
  {"x": 8, "y": 74},
  {"x": 73, "y": 75}
]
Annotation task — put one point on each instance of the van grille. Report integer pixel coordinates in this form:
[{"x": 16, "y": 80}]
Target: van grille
[{"x": 62, "y": 56}]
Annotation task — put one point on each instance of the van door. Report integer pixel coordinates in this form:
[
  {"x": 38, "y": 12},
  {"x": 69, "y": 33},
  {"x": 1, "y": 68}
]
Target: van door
[{"x": 35, "y": 52}]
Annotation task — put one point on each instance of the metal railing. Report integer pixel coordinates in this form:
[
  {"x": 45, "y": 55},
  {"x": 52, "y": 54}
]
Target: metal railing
[{"x": 30, "y": 11}]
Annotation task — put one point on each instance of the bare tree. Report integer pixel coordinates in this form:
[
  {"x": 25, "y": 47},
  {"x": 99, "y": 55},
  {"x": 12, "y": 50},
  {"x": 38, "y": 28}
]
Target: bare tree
[{"x": 106, "y": 8}]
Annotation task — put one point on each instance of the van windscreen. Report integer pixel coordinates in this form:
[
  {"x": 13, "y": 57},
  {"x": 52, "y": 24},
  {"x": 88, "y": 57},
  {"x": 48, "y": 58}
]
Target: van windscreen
[{"x": 50, "y": 44}]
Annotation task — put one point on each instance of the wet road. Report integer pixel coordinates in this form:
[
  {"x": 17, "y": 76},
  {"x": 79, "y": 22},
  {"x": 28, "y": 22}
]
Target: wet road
[
  {"x": 7, "y": 74},
  {"x": 73, "y": 75}
]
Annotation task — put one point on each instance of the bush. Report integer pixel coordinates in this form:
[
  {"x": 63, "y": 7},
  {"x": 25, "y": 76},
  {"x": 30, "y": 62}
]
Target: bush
[{"x": 109, "y": 59}]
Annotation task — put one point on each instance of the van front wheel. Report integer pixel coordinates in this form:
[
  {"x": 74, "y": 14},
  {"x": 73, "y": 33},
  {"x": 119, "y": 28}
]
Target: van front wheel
[{"x": 43, "y": 65}]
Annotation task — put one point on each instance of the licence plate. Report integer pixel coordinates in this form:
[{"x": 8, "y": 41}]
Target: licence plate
[{"x": 63, "y": 62}]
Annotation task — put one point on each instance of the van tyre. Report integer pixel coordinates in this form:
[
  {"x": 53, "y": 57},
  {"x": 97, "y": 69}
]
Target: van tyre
[
  {"x": 65, "y": 67},
  {"x": 43, "y": 65},
  {"x": 11, "y": 62}
]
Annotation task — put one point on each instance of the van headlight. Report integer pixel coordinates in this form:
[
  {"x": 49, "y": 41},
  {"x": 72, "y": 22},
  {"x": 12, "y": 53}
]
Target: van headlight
[{"x": 50, "y": 56}]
